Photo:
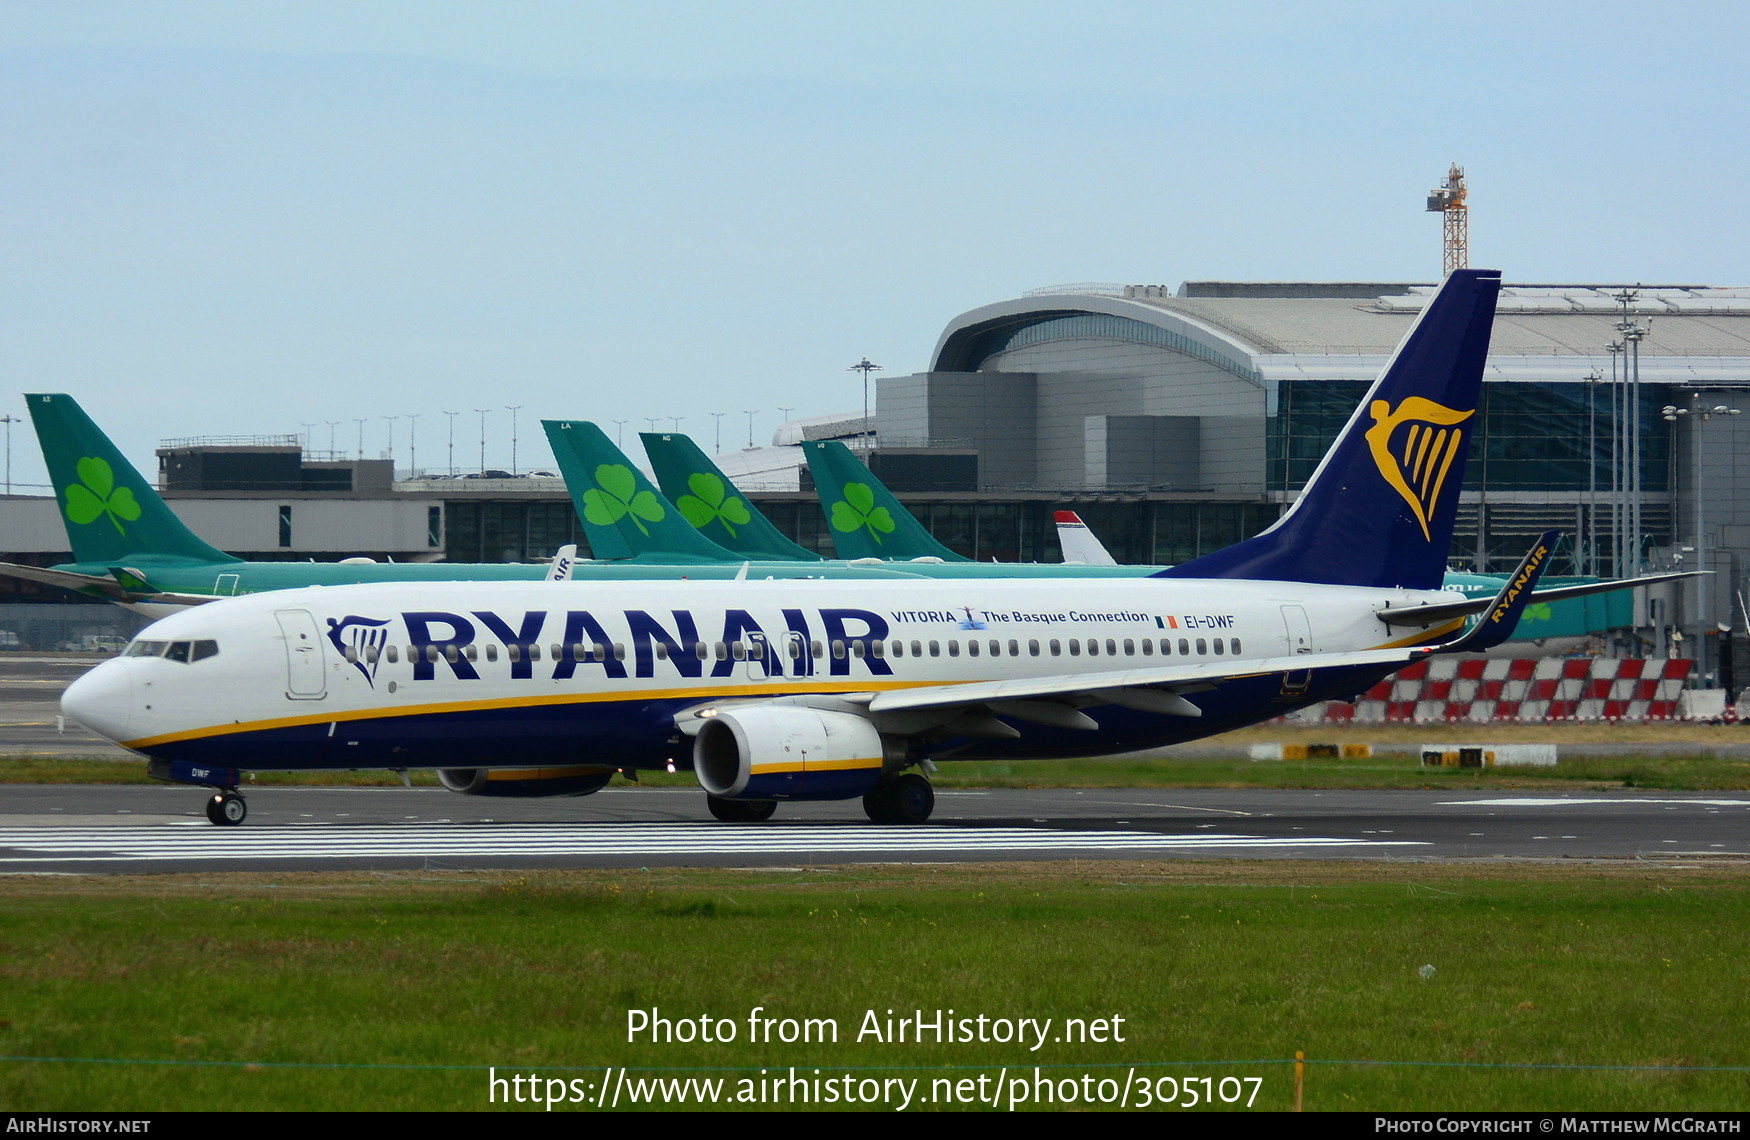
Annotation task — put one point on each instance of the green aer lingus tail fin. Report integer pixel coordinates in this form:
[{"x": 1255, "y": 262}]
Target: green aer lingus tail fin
[
  {"x": 110, "y": 512},
  {"x": 707, "y": 499},
  {"x": 623, "y": 515},
  {"x": 863, "y": 517}
]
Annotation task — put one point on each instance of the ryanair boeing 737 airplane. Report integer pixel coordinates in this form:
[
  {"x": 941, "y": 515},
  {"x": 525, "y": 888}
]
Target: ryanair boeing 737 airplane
[{"x": 799, "y": 690}]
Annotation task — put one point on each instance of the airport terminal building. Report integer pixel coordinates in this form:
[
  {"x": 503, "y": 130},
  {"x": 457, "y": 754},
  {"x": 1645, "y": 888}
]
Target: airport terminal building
[{"x": 1176, "y": 421}]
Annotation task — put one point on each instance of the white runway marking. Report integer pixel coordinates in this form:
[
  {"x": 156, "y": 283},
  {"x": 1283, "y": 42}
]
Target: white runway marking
[
  {"x": 119, "y": 844},
  {"x": 1554, "y": 801}
]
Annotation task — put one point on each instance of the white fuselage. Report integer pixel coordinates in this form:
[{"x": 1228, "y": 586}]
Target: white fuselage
[{"x": 402, "y": 675}]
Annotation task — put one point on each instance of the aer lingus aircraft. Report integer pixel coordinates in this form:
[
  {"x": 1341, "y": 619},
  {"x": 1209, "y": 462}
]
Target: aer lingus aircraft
[
  {"x": 129, "y": 546},
  {"x": 811, "y": 689}
]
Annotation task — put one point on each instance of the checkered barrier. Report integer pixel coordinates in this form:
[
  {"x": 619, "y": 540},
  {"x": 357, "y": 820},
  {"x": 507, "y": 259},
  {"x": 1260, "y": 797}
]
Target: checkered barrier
[{"x": 1517, "y": 690}]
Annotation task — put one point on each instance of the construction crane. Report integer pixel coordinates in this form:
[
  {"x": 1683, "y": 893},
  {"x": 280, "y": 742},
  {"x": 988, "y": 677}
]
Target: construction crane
[{"x": 1448, "y": 199}]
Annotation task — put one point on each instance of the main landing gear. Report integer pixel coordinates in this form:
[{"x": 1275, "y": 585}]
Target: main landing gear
[
  {"x": 740, "y": 811},
  {"x": 908, "y": 798},
  {"x": 227, "y": 809}
]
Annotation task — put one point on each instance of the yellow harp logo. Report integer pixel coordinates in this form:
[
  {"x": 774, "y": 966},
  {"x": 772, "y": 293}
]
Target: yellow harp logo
[{"x": 1415, "y": 460}]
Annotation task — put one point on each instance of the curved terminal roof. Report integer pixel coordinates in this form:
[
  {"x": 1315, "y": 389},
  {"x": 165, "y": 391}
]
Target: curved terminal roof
[{"x": 1270, "y": 330}]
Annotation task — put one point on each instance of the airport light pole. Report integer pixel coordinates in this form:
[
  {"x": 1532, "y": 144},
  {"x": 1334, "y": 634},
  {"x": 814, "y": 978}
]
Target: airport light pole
[
  {"x": 750, "y": 414},
  {"x": 1592, "y": 380},
  {"x": 413, "y": 444},
  {"x": 620, "y": 434},
  {"x": 865, "y": 367},
  {"x": 391, "y": 420},
  {"x": 483, "y": 412},
  {"x": 452, "y": 416},
  {"x": 361, "y": 424},
  {"x": 332, "y": 424},
  {"x": 8, "y": 419},
  {"x": 513, "y": 411},
  {"x": 717, "y": 448}
]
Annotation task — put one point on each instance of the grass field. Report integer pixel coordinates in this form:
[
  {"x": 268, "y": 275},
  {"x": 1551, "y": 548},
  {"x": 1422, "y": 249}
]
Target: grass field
[{"x": 1554, "y": 986}]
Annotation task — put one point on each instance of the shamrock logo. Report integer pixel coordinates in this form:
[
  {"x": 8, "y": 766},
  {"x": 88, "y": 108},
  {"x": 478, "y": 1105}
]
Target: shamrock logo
[
  {"x": 711, "y": 501},
  {"x": 853, "y": 512},
  {"x": 616, "y": 495},
  {"x": 1537, "y": 611},
  {"x": 96, "y": 495}
]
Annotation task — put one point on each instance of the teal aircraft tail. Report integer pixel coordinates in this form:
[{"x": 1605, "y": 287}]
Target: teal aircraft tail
[
  {"x": 708, "y": 500},
  {"x": 864, "y": 518},
  {"x": 623, "y": 515},
  {"x": 111, "y": 513}
]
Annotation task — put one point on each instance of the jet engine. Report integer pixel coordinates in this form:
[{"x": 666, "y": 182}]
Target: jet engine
[
  {"x": 788, "y": 752},
  {"x": 524, "y": 783}
]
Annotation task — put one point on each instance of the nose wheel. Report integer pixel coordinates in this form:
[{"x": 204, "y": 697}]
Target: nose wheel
[{"x": 227, "y": 809}]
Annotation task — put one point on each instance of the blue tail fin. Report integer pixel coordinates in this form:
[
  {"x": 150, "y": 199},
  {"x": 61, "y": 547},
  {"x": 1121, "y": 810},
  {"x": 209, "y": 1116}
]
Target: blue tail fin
[{"x": 1379, "y": 509}]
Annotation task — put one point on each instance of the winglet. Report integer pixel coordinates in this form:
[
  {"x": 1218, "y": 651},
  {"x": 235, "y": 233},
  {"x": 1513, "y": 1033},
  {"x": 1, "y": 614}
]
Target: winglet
[
  {"x": 563, "y": 561},
  {"x": 1502, "y": 617}
]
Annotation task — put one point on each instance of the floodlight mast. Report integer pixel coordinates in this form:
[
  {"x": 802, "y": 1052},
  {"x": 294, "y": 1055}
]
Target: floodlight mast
[{"x": 1448, "y": 199}]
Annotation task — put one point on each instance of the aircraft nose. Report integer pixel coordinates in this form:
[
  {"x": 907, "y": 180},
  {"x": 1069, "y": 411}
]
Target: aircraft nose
[{"x": 103, "y": 701}]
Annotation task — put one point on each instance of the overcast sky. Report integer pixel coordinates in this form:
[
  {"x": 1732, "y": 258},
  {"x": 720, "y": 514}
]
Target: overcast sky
[{"x": 236, "y": 218}]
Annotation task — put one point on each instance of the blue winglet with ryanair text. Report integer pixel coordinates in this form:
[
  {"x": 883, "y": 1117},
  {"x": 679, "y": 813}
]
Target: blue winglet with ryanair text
[{"x": 1502, "y": 617}]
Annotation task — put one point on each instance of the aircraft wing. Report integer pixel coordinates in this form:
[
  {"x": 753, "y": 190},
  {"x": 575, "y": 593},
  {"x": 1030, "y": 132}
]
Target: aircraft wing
[
  {"x": 1153, "y": 689},
  {"x": 100, "y": 585}
]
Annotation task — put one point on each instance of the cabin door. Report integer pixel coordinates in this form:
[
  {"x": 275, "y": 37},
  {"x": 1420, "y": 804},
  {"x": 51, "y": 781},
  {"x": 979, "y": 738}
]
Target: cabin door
[{"x": 304, "y": 665}]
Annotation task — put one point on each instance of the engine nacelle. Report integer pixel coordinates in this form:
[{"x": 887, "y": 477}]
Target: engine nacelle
[
  {"x": 785, "y": 752},
  {"x": 524, "y": 783}
]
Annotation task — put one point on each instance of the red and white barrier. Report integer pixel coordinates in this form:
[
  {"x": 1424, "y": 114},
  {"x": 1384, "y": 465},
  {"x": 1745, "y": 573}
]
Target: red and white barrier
[{"x": 1517, "y": 690}]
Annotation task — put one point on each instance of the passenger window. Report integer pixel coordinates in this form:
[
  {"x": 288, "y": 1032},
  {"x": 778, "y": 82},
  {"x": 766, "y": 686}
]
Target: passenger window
[
  {"x": 1148, "y": 647},
  {"x": 535, "y": 653},
  {"x": 1056, "y": 649},
  {"x": 1093, "y": 647},
  {"x": 512, "y": 653},
  {"x": 372, "y": 653},
  {"x": 819, "y": 651},
  {"x": 619, "y": 651},
  {"x": 1202, "y": 648},
  {"x": 471, "y": 653},
  {"x": 431, "y": 653},
  {"x": 1075, "y": 647},
  {"x": 953, "y": 649},
  {"x": 935, "y": 649},
  {"x": 1032, "y": 648},
  {"x": 351, "y": 655},
  {"x": 857, "y": 650},
  {"x": 738, "y": 651},
  {"x": 450, "y": 654},
  {"x": 1233, "y": 646},
  {"x": 491, "y": 651},
  {"x": 898, "y": 648},
  {"x": 838, "y": 650},
  {"x": 875, "y": 649},
  {"x": 662, "y": 651},
  {"x": 700, "y": 651},
  {"x": 1112, "y": 648},
  {"x": 392, "y": 655},
  {"x": 917, "y": 649},
  {"x": 1217, "y": 645},
  {"x": 1184, "y": 647}
]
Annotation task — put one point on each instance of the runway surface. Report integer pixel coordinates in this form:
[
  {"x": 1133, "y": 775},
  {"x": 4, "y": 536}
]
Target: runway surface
[{"x": 110, "y": 830}]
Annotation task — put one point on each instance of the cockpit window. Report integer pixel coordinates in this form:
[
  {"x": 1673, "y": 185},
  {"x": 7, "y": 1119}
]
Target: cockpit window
[{"x": 183, "y": 651}]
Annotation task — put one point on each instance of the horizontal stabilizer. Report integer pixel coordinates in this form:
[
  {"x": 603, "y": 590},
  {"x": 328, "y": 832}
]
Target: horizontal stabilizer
[{"x": 1446, "y": 611}]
